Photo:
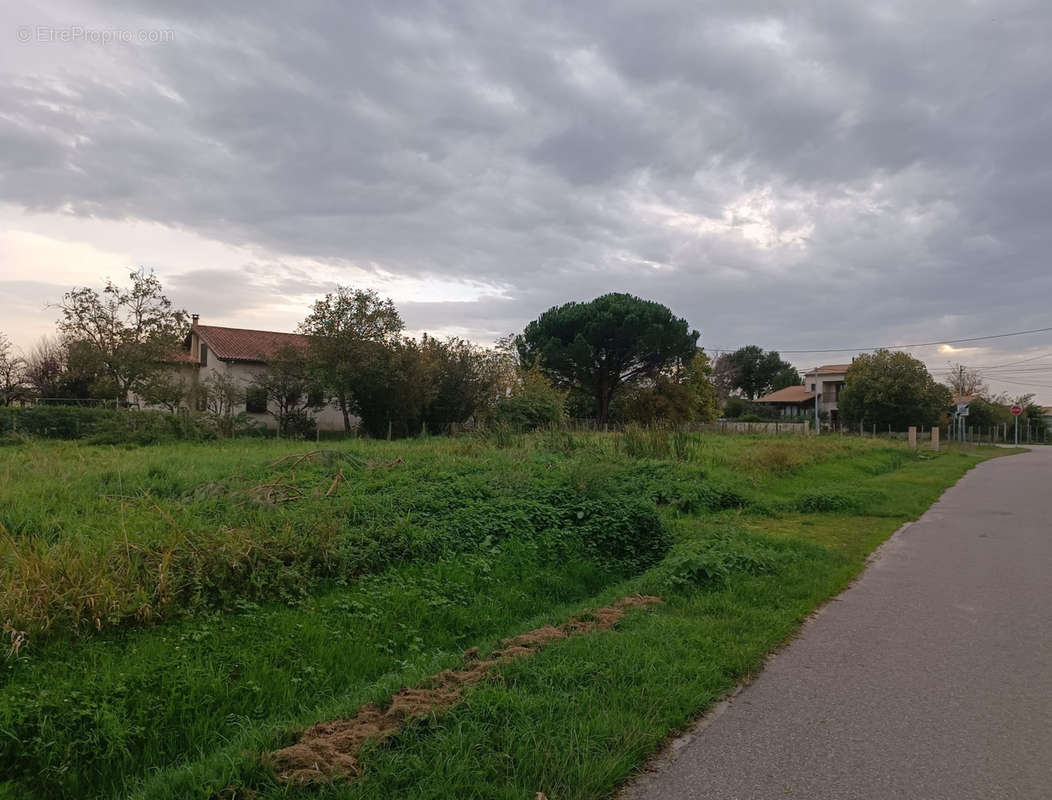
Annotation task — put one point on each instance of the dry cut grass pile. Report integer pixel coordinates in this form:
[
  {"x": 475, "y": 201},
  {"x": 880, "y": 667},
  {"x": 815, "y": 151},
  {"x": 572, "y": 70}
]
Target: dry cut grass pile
[{"x": 329, "y": 750}]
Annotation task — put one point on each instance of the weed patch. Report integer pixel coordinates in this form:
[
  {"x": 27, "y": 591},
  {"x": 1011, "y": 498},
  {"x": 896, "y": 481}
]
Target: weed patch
[
  {"x": 826, "y": 502},
  {"x": 711, "y": 560}
]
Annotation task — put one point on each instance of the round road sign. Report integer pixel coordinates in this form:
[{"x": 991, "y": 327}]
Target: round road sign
[{"x": 1017, "y": 410}]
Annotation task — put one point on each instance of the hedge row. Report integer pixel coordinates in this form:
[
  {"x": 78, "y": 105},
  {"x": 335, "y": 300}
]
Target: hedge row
[{"x": 98, "y": 425}]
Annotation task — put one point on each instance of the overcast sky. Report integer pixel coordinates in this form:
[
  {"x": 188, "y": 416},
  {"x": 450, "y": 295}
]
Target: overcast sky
[{"x": 794, "y": 175}]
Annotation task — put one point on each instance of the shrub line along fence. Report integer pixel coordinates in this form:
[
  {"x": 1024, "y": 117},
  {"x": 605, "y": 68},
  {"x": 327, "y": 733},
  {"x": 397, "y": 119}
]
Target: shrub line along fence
[
  {"x": 1003, "y": 433},
  {"x": 111, "y": 425},
  {"x": 593, "y": 426}
]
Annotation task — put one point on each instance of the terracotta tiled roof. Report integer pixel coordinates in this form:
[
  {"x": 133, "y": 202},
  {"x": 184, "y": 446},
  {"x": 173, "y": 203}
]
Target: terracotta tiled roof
[
  {"x": 829, "y": 369},
  {"x": 790, "y": 394},
  {"x": 240, "y": 344},
  {"x": 180, "y": 357}
]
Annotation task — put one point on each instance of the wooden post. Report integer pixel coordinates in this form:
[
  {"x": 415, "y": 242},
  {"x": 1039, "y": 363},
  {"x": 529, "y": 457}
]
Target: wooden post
[
  {"x": 935, "y": 438},
  {"x": 913, "y": 437},
  {"x": 388, "y": 430},
  {"x": 807, "y": 427}
]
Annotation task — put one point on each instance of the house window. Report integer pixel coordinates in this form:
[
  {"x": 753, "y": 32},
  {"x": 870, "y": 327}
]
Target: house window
[
  {"x": 812, "y": 387},
  {"x": 256, "y": 401},
  {"x": 204, "y": 354}
]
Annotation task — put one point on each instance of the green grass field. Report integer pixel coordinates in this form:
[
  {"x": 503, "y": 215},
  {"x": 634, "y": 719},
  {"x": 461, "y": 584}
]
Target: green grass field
[{"x": 174, "y": 612}]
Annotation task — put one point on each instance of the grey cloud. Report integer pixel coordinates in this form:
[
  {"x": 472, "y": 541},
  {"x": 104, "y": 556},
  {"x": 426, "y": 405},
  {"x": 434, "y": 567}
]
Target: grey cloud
[{"x": 884, "y": 163}]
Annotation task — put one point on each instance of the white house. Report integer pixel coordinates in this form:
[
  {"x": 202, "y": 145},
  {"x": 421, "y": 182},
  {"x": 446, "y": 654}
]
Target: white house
[{"x": 242, "y": 354}]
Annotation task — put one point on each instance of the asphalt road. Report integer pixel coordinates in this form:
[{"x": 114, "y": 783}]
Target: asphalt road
[{"x": 930, "y": 678}]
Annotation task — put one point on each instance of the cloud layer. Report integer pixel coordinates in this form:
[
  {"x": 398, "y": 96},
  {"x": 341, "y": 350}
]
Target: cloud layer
[{"x": 790, "y": 174}]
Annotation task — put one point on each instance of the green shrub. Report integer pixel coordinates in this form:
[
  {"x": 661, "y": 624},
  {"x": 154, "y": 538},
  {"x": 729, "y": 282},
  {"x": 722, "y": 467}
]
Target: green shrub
[
  {"x": 299, "y": 424},
  {"x": 100, "y": 425},
  {"x": 700, "y": 498},
  {"x": 55, "y": 422},
  {"x": 709, "y": 562},
  {"x": 627, "y": 534},
  {"x": 534, "y": 403}
]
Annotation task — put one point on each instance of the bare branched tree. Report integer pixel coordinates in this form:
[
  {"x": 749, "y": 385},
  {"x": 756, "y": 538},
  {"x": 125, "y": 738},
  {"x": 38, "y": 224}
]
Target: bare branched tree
[{"x": 13, "y": 384}]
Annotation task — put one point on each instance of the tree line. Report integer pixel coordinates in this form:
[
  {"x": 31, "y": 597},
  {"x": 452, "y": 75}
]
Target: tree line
[
  {"x": 615, "y": 359},
  {"x": 618, "y": 358}
]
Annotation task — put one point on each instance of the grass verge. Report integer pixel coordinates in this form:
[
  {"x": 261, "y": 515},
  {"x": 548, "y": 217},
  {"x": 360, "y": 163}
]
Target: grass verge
[{"x": 761, "y": 531}]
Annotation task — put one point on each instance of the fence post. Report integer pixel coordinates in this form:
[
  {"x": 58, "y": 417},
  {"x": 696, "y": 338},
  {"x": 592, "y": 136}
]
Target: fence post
[
  {"x": 807, "y": 427},
  {"x": 913, "y": 437},
  {"x": 935, "y": 438}
]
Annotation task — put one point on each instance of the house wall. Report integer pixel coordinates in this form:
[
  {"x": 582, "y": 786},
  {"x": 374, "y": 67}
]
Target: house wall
[
  {"x": 826, "y": 384},
  {"x": 329, "y": 418}
]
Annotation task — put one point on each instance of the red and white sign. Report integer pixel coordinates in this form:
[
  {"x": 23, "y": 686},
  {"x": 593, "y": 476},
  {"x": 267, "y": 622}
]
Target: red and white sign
[{"x": 1017, "y": 410}]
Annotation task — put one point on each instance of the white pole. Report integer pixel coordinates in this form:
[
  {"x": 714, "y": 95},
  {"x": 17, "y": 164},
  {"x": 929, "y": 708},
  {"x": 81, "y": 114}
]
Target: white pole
[{"x": 818, "y": 425}]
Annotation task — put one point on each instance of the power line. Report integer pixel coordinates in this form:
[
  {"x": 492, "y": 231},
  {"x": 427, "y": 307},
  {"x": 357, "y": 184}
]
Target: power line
[
  {"x": 901, "y": 346},
  {"x": 1026, "y": 383}
]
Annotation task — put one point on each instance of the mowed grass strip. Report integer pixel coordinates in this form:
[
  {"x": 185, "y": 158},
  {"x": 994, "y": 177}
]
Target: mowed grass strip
[{"x": 184, "y": 709}]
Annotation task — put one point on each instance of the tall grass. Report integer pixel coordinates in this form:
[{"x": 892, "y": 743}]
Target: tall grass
[
  {"x": 189, "y": 606},
  {"x": 138, "y": 541}
]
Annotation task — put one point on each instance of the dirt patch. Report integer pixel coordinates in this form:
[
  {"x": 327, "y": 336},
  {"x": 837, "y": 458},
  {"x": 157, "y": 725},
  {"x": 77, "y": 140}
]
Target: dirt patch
[{"x": 329, "y": 750}]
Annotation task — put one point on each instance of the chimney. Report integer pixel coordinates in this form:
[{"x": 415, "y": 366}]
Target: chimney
[{"x": 193, "y": 320}]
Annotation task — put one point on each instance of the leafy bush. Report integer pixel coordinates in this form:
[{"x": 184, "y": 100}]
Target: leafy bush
[
  {"x": 533, "y": 403},
  {"x": 698, "y": 498},
  {"x": 712, "y": 498},
  {"x": 710, "y": 561},
  {"x": 299, "y": 424},
  {"x": 627, "y": 534},
  {"x": 735, "y": 407}
]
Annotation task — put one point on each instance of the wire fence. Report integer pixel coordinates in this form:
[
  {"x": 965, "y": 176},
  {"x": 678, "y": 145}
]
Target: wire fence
[
  {"x": 1003, "y": 433},
  {"x": 78, "y": 402}
]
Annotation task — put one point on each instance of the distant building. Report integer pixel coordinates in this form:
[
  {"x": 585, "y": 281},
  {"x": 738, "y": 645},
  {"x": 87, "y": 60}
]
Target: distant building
[
  {"x": 242, "y": 354},
  {"x": 792, "y": 401},
  {"x": 825, "y": 382}
]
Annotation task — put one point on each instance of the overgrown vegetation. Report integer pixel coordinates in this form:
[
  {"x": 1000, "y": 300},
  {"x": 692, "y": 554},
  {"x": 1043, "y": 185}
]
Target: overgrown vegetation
[
  {"x": 100, "y": 425},
  {"x": 173, "y": 612}
]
